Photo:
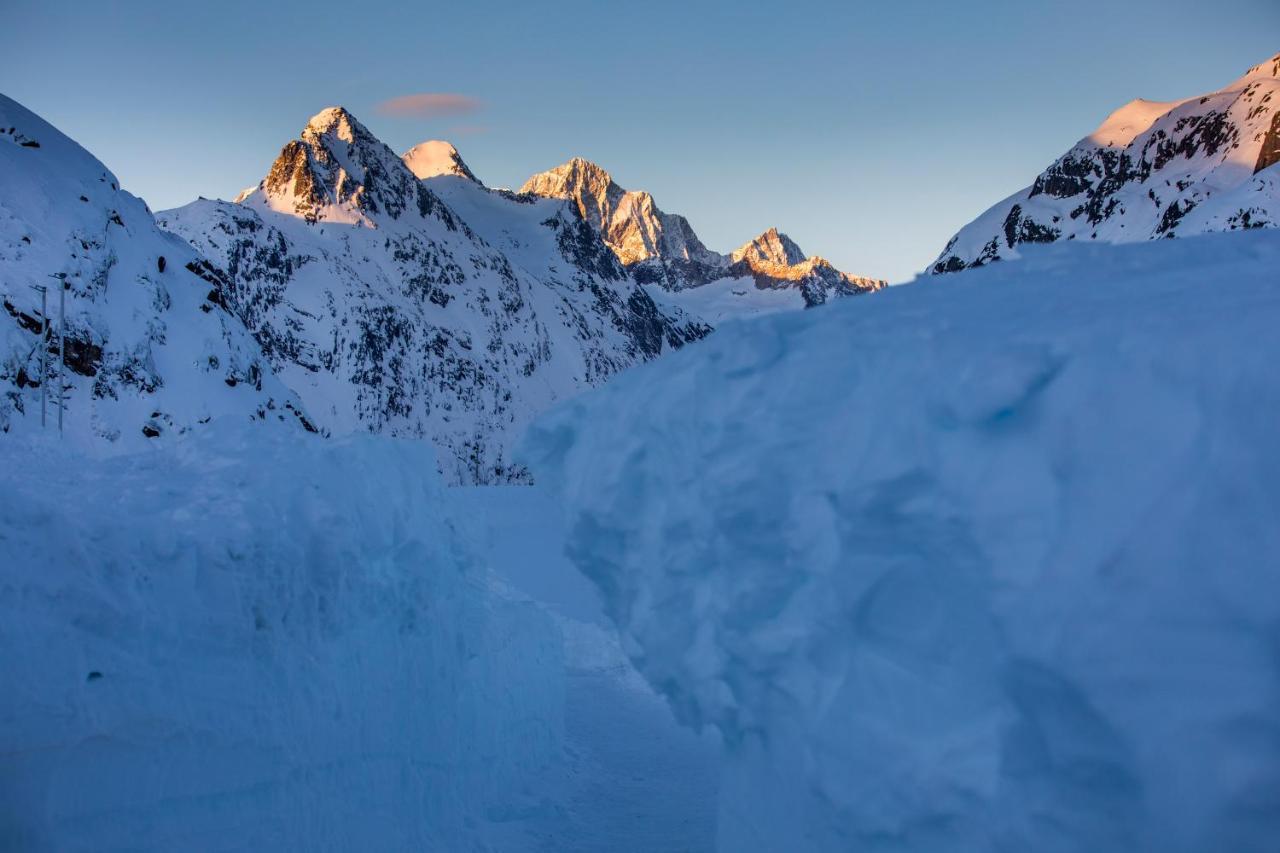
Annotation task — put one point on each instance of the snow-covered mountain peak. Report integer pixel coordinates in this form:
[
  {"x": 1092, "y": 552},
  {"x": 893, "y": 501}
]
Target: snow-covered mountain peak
[
  {"x": 1133, "y": 118},
  {"x": 663, "y": 249},
  {"x": 630, "y": 221},
  {"x": 334, "y": 120},
  {"x": 586, "y": 184},
  {"x": 337, "y": 171},
  {"x": 436, "y": 157},
  {"x": 449, "y": 312},
  {"x": 575, "y": 171},
  {"x": 1268, "y": 69},
  {"x": 770, "y": 247},
  {"x": 1151, "y": 170}
]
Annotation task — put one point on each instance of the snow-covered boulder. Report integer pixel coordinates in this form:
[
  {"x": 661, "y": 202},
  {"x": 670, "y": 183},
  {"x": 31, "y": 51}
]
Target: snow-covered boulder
[
  {"x": 989, "y": 564},
  {"x": 256, "y": 642}
]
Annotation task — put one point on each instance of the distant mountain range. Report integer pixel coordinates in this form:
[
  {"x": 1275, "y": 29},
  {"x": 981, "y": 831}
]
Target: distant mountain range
[
  {"x": 1151, "y": 170},
  {"x": 354, "y": 289},
  {"x": 662, "y": 248}
]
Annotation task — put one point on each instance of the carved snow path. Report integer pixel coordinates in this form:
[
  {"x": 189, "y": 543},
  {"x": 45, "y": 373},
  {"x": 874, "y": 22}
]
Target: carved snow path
[{"x": 632, "y": 778}]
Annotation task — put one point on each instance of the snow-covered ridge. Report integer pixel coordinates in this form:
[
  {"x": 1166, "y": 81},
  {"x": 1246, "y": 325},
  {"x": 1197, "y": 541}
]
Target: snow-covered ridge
[
  {"x": 1151, "y": 170},
  {"x": 929, "y": 602},
  {"x": 151, "y": 349},
  {"x": 387, "y": 311},
  {"x": 662, "y": 249}
]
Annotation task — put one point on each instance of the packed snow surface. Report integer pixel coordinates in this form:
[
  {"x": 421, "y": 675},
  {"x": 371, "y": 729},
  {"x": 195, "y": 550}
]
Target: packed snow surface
[
  {"x": 983, "y": 563},
  {"x": 252, "y": 641}
]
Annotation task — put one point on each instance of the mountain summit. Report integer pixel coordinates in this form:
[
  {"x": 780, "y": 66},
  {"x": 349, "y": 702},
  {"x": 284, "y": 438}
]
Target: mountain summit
[
  {"x": 387, "y": 311},
  {"x": 1153, "y": 169},
  {"x": 771, "y": 247},
  {"x": 337, "y": 170},
  {"x": 436, "y": 157},
  {"x": 663, "y": 249},
  {"x": 630, "y": 222}
]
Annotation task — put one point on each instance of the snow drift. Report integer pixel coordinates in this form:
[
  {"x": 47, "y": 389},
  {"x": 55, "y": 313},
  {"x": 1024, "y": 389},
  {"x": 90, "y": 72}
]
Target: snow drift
[
  {"x": 258, "y": 642},
  {"x": 985, "y": 564}
]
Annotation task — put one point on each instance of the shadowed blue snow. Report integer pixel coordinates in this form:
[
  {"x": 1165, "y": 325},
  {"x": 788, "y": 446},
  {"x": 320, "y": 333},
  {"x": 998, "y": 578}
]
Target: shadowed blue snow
[
  {"x": 987, "y": 562},
  {"x": 259, "y": 642}
]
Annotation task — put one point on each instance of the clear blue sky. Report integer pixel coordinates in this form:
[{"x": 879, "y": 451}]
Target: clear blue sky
[{"x": 869, "y": 132}]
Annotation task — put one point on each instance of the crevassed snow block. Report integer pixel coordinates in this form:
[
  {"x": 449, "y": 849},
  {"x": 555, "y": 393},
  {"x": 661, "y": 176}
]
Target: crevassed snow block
[
  {"x": 985, "y": 565},
  {"x": 257, "y": 644}
]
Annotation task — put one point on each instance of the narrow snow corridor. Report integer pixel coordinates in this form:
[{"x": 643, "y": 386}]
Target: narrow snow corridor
[{"x": 632, "y": 779}]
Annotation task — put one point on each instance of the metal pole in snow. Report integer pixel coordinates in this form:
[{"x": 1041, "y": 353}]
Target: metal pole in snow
[
  {"x": 44, "y": 351},
  {"x": 62, "y": 339},
  {"x": 62, "y": 349}
]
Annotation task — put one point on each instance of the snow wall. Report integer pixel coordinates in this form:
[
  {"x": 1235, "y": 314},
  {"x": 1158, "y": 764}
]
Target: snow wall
[
  {"x": 259, "y": 642},
  {"x": 986, "y": 562}
]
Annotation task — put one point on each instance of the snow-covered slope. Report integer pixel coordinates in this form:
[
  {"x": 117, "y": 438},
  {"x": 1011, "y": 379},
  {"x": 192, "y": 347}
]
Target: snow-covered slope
[
  {"x": 252, "y": 641},
  {"x": 385, "y": 310},
  {"x": 151, "y": 351},
  {"x": 662, "y": 248},
  {"x": 985, "y": 566},
  {"x": 1151, "y": 170}
]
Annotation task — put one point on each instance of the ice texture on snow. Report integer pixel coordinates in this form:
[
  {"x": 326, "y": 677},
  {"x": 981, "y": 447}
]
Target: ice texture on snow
[
  {"x": 258, "y": 642},
  {"x": 989, "y": 563}
]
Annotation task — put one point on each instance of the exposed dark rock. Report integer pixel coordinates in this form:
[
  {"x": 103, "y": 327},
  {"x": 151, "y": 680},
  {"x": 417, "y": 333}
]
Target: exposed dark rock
[{"x": 1270, "y": 153}]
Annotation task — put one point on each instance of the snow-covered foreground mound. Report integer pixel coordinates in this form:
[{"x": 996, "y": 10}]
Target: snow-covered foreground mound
[
  {"x": 985, "y": 564},
  {"x": 258, "y": 643}
]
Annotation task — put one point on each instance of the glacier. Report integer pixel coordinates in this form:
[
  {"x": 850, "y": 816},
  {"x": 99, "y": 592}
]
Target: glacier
[
  {"x": 260, "y": 641},
  {"x": 989, "y": 563}
]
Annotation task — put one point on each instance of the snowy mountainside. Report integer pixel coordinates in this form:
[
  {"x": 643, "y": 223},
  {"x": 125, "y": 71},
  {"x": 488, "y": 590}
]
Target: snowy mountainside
[
  {"x": 662, "y": 249},
  {"x": 888, "y": 552},
  {"x": 386, "y": 311},
  {"x": 1151, "y": 170},
  {"x": 151, "y": 349}
]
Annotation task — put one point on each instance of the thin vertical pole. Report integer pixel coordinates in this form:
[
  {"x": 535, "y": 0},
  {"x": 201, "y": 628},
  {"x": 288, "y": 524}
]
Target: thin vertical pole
[
  {"x": 62, "y": 348},
  {"x": 44, "y": 355}
]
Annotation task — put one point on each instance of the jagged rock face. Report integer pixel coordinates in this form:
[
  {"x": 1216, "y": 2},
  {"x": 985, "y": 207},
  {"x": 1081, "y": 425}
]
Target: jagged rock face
[
  {"x": 630, "y": 222},
  {"x": 339, "y": 170},
  {"x": 770, "y": 247},
  {"x": 1151, "y": 170},
  {"x": 387, "y": 311},
  {"x": 662, "y": 249},
  {"x": 151, "y": 350},
  {"x": 436, "y": 157}
]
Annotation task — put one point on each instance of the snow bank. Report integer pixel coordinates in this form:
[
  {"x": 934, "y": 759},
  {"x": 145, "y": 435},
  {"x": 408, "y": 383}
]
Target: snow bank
[
  {"x": 987, "y": 562},
  {"x": 257, "y": 642}
]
